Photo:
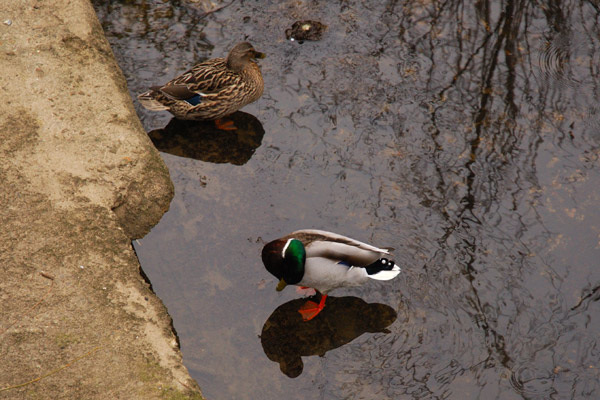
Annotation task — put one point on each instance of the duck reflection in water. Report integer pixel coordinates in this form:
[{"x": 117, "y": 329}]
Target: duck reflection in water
[
  {"x": 201, "y": 140},
  {"x": 285, "y": 337}
]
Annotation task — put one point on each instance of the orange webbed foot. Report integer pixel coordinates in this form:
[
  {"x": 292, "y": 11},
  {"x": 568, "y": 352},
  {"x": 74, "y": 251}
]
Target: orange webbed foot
[{"x": 310, "y": 309}]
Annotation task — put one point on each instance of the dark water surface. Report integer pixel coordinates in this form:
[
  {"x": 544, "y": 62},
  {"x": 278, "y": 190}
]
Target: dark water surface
[{"x": 466, "y": 135}]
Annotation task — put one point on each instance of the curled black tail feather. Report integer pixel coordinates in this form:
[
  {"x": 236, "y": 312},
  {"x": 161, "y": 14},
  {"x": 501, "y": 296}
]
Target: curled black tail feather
[{"x": 383, "y": 264}]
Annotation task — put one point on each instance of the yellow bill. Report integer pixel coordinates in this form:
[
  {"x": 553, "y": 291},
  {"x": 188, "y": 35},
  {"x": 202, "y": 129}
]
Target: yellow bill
[{"x": 281, "y": 285}]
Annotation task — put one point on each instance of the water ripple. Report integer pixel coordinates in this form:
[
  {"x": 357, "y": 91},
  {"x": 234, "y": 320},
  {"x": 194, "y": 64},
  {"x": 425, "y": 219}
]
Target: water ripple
[
  {"x": 555, "y": 58},
  {"x": 532, "y": 383}
]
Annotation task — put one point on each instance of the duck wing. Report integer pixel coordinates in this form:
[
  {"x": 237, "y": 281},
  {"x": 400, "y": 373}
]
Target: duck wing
[
  {"x": 176, "y": 91},
  {"x": 337, "y": 247},
  {"x": 208, "y": 77}
]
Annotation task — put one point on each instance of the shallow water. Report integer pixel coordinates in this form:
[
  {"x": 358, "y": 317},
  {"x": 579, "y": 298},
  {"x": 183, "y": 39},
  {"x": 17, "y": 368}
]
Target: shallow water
[{"x": 466, "y": 136}]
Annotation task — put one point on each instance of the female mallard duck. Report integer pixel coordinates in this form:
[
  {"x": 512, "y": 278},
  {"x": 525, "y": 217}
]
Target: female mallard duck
[
  {"x": 324, "y": 261},
  {"x": 212, "y": 89}
]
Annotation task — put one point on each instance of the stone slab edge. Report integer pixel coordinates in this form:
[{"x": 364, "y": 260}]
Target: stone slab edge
[{"x": 79, "y": 179}]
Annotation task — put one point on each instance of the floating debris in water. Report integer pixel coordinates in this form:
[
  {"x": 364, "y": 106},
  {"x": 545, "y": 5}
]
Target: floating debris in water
[
  {"x": 305, "y": 30},
  {"x": 8, "y": 22}
]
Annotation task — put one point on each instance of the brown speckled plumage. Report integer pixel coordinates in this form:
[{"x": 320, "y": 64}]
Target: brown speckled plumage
[{"x": 219, "y": 87}]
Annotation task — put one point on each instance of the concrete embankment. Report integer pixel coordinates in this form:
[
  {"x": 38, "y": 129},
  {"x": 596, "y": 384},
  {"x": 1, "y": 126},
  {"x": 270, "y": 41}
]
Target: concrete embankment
[{"x": 79, "y": 180}]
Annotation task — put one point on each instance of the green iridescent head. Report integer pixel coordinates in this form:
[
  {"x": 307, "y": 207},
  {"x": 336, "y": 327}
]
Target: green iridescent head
[
  {"x": 285, "y": 260},
  {"x": 294, "y": 257}
]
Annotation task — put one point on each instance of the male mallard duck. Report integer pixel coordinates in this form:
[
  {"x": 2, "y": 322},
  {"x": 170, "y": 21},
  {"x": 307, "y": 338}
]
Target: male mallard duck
[
  {"x": 324, "y": 261},
  {"x": 212, "y": 89}
]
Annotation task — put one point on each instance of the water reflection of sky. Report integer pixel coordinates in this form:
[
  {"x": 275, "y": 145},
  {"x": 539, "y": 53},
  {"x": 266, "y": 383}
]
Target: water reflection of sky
[{"x": 465, "y": 135}]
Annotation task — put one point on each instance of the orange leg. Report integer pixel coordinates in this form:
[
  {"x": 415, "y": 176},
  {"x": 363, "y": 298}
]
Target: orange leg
[
  {"x": 305, "y": 291},
  {"x": 225, "y": 125},
  {"x": 310, "y": 309}
]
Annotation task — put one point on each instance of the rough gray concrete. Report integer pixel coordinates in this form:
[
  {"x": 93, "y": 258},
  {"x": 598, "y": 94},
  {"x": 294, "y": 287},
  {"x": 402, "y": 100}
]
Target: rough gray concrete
[{"x": 79, "y": 180}]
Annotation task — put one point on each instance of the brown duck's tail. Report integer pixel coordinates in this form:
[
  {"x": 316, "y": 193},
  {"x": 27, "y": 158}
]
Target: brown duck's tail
[{"x": 148, "y": 100}]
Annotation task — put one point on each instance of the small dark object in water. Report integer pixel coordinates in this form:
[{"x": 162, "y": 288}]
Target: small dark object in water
[{"x": 305, "y": 30}]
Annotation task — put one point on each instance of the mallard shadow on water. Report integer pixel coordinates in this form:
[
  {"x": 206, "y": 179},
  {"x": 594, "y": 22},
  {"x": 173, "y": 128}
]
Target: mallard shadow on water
[
  {"x": 202, "y": 140},
  {"x": 285, "y": 337}
]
